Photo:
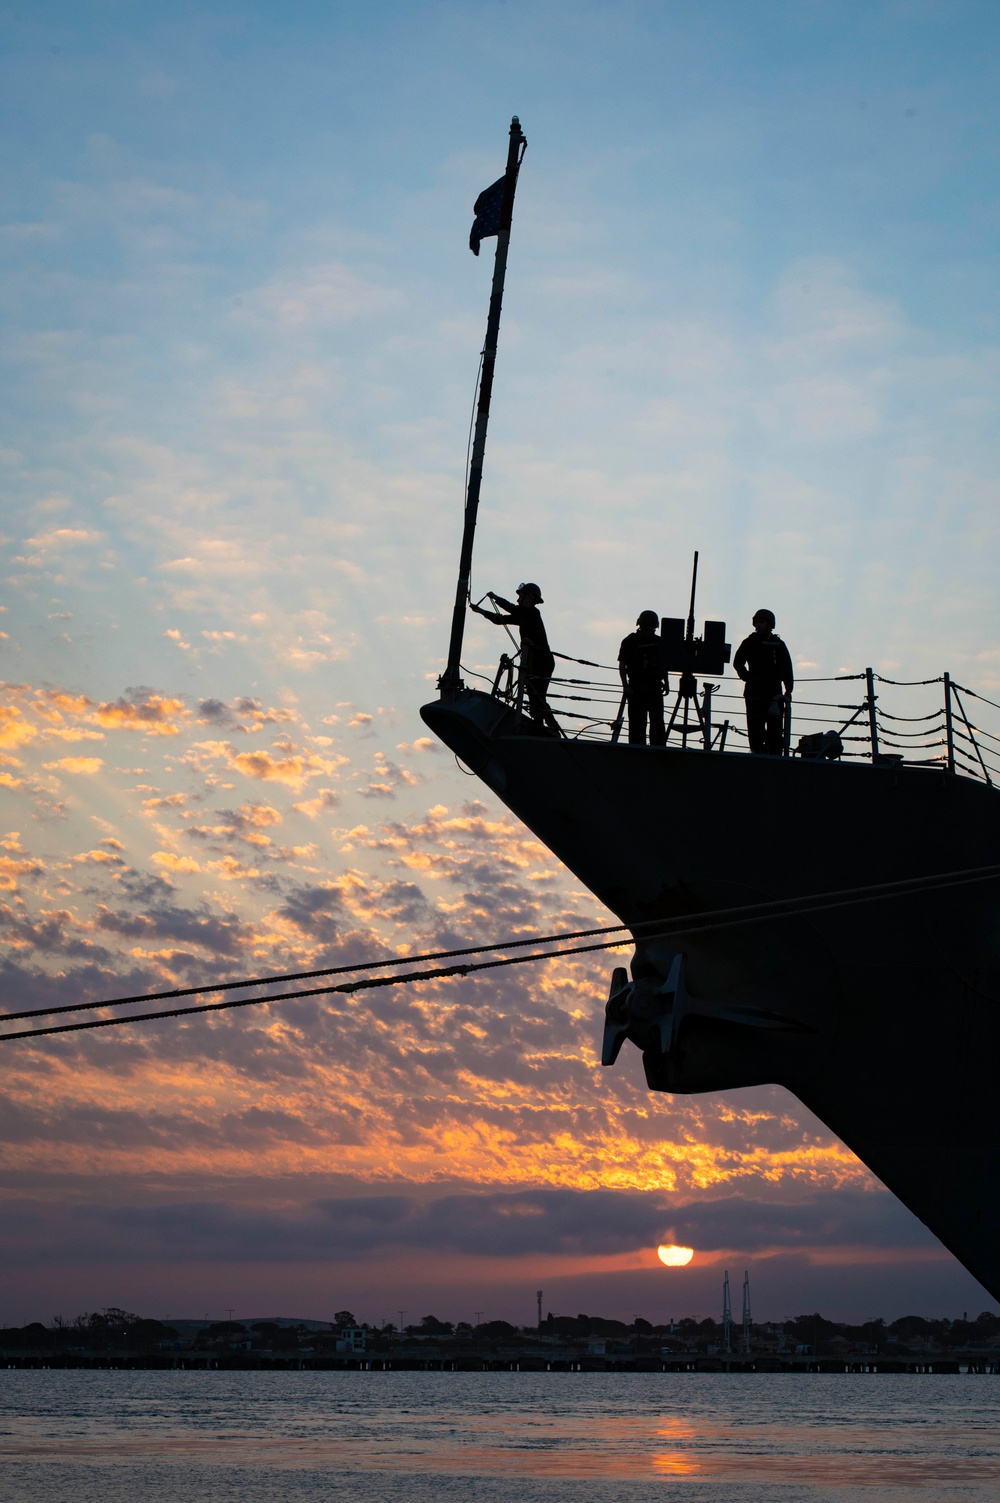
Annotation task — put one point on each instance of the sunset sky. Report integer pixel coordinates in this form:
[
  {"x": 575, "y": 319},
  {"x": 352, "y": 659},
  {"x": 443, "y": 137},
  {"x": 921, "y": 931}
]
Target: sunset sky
[{"x": 753, "y": 308}]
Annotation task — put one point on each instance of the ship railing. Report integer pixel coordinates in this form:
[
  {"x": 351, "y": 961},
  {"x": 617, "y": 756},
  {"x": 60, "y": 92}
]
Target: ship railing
[{"x": 945, "y": 736}]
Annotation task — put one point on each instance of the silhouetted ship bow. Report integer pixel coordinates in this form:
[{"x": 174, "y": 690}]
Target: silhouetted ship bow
[{"x": 882, "y": 1015}]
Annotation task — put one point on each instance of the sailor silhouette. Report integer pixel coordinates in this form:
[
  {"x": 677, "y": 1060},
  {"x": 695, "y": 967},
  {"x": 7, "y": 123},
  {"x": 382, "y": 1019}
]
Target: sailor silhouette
[
  {"x": 643, "y": 679},
  {"x": 537, "y": 662},
  {"x": 764, "y": 664}
]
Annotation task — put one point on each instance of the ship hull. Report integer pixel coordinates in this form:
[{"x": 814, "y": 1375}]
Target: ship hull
[{"x": 883, "y": 1017}]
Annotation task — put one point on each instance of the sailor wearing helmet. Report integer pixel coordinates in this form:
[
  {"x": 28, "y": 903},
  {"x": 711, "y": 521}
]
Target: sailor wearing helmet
[
  {"x": 764, "y": 664},
  {"x": 644, "y": 681},
  {"x": 537, "y": 662}
]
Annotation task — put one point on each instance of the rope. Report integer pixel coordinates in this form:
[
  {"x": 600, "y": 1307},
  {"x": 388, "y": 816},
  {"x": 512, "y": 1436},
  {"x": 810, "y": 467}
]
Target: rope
[
  {"x": 887, "y": 715},
  {"x": 692, "y": 924},
  {"x": 584, "y": 662},
  {"x": 891, "y": 730},
  {"x": 963, "y": 690},
  {"x": 910, "y": 746},
  {"x": 905, "y": 683},
  {"x": 988, "y": 734}
]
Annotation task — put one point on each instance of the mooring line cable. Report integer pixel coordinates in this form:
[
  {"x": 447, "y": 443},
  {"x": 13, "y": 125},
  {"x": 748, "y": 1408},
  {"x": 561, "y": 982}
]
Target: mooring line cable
[
  {"x": 367, "y": 984},
  {"x": 690, "y": 924}
]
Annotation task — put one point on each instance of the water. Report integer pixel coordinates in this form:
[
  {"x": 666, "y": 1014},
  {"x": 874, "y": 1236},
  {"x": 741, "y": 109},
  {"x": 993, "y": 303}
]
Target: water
[{"x": 156, "y": 1437}]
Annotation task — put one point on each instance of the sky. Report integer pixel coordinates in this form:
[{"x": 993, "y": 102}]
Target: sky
[{"x": 752, "y": 308}]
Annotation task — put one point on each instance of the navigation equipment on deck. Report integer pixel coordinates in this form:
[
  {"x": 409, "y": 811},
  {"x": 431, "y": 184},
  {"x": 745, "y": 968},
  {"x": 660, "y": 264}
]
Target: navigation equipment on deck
[{"x": 684, "y": 653}]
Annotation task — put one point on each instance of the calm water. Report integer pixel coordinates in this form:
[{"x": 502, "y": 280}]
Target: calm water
[{"x": 137, "y": 1437}]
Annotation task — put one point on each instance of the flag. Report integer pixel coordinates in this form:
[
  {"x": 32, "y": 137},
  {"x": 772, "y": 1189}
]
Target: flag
[{"x": 487, "y": 212}]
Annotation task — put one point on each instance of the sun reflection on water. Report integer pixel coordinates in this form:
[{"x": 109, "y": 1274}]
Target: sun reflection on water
[{"x": 675, "y": 1463}]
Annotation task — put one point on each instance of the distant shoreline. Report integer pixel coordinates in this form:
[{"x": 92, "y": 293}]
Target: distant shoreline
[{"x": 972, "y": 1362}]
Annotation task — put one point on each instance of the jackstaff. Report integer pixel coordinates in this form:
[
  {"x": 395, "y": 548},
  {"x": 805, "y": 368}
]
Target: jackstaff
[{"x": 488, "y": 222}]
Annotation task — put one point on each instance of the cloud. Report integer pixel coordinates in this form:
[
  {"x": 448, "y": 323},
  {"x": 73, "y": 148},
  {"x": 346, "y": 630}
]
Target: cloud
[
  {"x": 172, "y": 863},
  {"x": 326, "y": 798},
  {"x": 387, "y": 777},
  {"x": 267, "y": 769},
  {"x": 55, "y": 541},
  {"x": 291, "y": 768},
  {"x": 315, "y": 298},
  {"x": 165, "y": 801},
  {"x": 16, "y": 864},
  {"x": 98, "y": 857},
  {"x": 142, "y": 710},
  {"x": 246, "y": 824},
  {"x": 214, "y": 557},
  {"x": 76, "y": 764},
  {"x": 15, "y": 730},
  {"x": 231, "y": 870},
  {"x": 257, "y": 816},
  {"x": 521, "y": 1224},
  {"x": 421, "y": 744}
]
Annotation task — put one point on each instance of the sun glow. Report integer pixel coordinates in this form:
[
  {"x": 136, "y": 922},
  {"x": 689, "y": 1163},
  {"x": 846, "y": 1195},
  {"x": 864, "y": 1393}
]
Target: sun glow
[{"x": 673, "y": 1256}]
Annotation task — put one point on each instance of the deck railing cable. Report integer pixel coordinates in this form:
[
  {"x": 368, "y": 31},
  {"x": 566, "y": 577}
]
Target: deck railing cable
[{"x": 866, "y": 729}]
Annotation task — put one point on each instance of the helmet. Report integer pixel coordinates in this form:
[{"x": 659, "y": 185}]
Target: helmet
[
  {"x": 648, "y": 618},
  {"x": 532, "y": 592},
  {"x": 766, "y": 615}
]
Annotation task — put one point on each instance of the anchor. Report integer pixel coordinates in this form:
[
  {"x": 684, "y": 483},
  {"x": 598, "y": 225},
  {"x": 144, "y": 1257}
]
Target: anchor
[{"x": 647, "y": 1010}]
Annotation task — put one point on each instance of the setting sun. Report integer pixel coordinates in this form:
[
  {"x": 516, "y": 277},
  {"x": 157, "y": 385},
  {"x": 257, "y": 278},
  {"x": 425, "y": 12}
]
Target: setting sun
[{"x": 673, "y": 1256}]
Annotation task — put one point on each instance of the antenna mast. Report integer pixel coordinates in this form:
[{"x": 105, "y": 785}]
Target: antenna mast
[
  {"x": 746, "y": 1312},
  {"x": 727, "y": 1316},
  {"x": 450, "y": 683}
]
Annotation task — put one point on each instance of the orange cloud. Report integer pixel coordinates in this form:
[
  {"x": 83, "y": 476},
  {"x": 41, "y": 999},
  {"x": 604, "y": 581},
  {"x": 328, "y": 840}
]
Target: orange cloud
[
  {"x": 14, "y": 729},
  {"x": 231, "y": 870},
  {"x": 268, "y": 769},
  {"x": 172, "y": 863},
  {"x": 293, "y": 768},
  {"x": 11, "y": 870},
  {"x": 261, "y": 815},
  {"x": 325, "y": 798},
  {"x": 74, "y": 733},
  {"x": 53, "y": 704},
  {"x": 75, "y": 764},
  {"x": 154, "y": 715}
]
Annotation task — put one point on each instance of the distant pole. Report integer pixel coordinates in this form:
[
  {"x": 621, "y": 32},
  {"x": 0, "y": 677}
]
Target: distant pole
[
  {"x": 949, "y": 729},
  {"x": 401, "y": 1314},
  {"x": 538, "y": 1297},
  {"x": 727, "y": 1316},
  {"x": 450, "y": 682},
  {"x": 746, "y": 1313},
  {"x": 872, "y": 718}
]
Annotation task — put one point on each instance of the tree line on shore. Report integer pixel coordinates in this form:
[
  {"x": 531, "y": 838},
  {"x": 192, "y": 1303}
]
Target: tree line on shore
[{"x": 114, "y": 1329}]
